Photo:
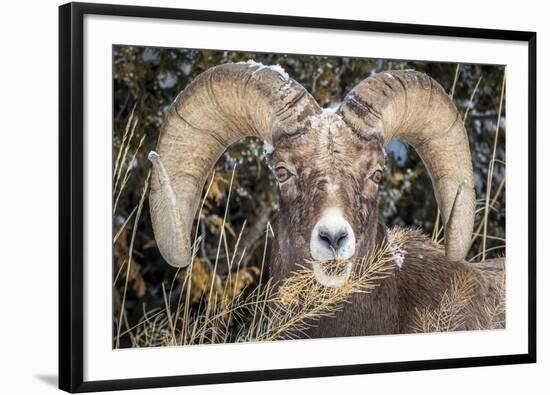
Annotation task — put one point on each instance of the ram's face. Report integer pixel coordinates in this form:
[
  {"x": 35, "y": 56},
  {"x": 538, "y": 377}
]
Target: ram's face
[{"x": 328, "y": 180}]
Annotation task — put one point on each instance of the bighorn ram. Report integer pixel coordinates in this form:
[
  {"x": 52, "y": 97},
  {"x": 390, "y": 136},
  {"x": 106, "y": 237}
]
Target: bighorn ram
[{"x": 328, "y": 165}]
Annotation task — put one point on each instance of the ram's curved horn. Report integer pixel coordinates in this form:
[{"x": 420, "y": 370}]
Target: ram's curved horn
[
  {"x": 222, "y": 105},
  {"x": 412, "y": 106}
]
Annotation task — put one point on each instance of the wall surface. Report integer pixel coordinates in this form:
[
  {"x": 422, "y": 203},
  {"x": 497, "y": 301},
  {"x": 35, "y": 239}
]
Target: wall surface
[{"x": 28, "y": 163}]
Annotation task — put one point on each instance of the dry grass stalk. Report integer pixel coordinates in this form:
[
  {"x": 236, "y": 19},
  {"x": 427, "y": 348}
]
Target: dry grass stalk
[
  {"x": 496, "y": 311},
  {"x": 189, "y": 271},
  {"x": 127, "y": 172},
  {"x": 123, "y": 226},
  {"x": 491, "y": 170},
  {"x": 259, "y": 291},
  {"x": 495, "y": 248},
  {"x": 222, "y": 236},
  {"x": 123, "y": 152},
  {"x": 132, "y": 272},
  {"x": 119, "y": 160},
  {"x": 448, "y": 315},
  {"x": 477, "y": 231},
  {"x": 130, "y": 255},
  {"x": 471, "y": 101}
]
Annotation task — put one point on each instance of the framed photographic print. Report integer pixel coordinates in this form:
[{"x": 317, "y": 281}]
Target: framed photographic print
[{"x": 239, "y": 188}]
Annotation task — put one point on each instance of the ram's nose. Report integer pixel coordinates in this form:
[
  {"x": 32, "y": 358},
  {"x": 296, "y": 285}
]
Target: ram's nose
[{"x": 332, "y": 236}]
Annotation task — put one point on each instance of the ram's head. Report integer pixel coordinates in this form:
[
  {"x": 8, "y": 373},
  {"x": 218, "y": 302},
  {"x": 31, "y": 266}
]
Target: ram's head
[{"x": 328, "y": 163}]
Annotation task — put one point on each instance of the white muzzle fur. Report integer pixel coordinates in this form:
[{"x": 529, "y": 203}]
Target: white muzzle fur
[{"x": 332, "y": 237}]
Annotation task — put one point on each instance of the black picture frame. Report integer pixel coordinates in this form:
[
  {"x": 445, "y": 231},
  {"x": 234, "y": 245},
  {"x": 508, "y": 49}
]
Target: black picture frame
[{"x": 71, "y": 197}]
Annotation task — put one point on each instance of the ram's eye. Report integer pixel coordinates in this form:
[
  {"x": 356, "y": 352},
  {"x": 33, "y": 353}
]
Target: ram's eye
[
  {"x": 376, "y": 177},
  {"x": 282, "y": 174}
]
